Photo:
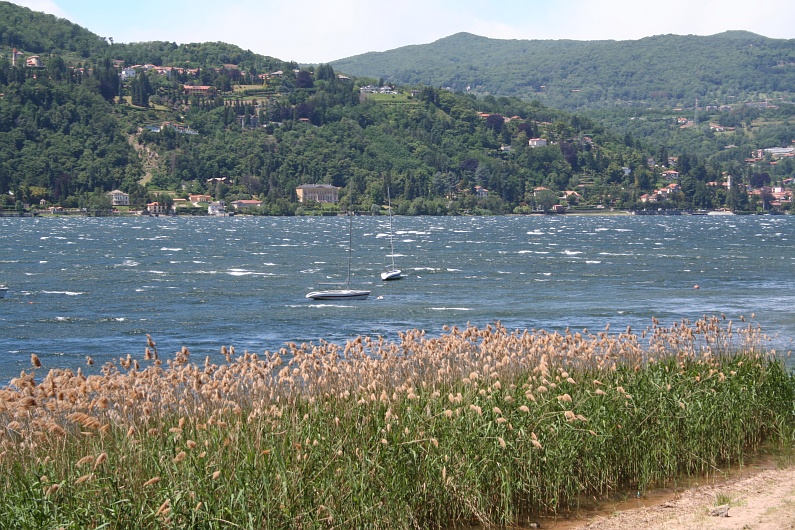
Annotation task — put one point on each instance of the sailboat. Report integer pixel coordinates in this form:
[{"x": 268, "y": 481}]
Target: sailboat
[
  {"x": 347, "y": 293},
  {"x": 392, "y": 273}
]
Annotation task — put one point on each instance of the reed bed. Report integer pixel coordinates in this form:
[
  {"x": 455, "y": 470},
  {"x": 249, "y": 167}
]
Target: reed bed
[{"x": 476, "y": 425}]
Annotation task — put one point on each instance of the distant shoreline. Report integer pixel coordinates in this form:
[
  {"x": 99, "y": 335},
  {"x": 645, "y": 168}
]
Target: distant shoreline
[{"x": 594, "y": 213}]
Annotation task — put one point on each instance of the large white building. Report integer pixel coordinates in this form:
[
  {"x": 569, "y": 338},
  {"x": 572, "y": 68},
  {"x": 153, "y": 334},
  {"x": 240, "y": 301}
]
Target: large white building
[
  {"x": 318, "y": 193},
  {"x": 119, "y": 198}
]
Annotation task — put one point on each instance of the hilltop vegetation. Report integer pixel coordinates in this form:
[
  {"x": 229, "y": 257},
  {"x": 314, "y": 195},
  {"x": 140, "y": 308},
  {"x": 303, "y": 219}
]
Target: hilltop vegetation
[
  {"x": 210, "y": 118},
  {"x": 39, "y": 33},
  {"x": 665, "y": 70}
]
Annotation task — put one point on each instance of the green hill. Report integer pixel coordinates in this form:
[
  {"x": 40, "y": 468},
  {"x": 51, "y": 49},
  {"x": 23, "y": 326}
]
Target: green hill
[
  {"x": 665, "y": 70},
  {"x": 37, "y": 32},
  {"x": 211, "y": 118}
]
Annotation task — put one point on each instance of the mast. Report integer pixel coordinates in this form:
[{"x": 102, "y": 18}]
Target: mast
[
  {"x": 391, "y": 243},
  {"x": 350, "y": 244}
]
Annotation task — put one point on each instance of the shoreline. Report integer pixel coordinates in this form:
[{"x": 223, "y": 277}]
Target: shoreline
[
  {"x": 593, "y": 213},
  {"x": 757, "y": 497}
]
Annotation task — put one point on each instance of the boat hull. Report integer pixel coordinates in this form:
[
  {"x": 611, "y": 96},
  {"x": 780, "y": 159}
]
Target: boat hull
[
  {"x": 394, "y": 274},
  {"x": 339, "y": 294},
  {"x": 3, "y": 291}
]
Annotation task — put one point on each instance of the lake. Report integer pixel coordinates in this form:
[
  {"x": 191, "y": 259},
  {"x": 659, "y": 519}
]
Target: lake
[{"x": 96, "y": 286}]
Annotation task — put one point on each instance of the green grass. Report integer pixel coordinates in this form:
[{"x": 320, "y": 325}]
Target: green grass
[{"x": 402, "y": 98}]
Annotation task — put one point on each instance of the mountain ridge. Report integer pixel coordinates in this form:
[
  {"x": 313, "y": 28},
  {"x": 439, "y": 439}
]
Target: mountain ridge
[{"x": 667, "y": 70}]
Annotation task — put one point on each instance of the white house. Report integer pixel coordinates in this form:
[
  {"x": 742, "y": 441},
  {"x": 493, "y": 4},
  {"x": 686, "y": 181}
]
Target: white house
[
  {"x": 537, "y": 142},
  {"x": 119, "y": 198},
  {"x": 216, "y": 208}
]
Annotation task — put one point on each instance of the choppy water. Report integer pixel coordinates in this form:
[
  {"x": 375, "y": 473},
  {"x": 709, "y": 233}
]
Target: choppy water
[{"x": 87, "y": 286}]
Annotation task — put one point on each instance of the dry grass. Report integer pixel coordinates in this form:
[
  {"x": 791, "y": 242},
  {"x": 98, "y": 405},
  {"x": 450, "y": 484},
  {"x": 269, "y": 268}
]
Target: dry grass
[{"x": 485, "y": 425}]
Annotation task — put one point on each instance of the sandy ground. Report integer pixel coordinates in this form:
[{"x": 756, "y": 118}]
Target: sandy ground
[{"x": 762, "y": 499}]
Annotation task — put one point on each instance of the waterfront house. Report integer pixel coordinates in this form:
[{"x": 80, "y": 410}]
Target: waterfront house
[
  {"x": 318, "y": 193},
  {"x": 481, "y": 192},
  {"x": 245, "y": 204},
  {"x": 216, "y": 208},
  {"x": 571, "y": 197},
  {"x": 156, "y": 208},
  {"x": 119, "y": 198}
]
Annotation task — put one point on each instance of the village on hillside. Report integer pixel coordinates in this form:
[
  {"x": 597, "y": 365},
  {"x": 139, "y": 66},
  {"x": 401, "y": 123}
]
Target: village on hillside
[{"x": 762, "y": 196}]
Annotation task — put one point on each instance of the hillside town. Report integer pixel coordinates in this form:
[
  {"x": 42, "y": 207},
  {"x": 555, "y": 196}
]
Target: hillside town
[{"x": 251, "y": 95}]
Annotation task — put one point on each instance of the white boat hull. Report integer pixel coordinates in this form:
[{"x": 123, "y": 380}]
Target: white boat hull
[
  {"x": 339, "y": 294},
  {"x": 394, "y": 274}
]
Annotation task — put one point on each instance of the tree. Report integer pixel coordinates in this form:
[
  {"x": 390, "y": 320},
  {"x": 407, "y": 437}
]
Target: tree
[
  {"x": 495, "y": 122},
  {"x": 57, "y": 68},
  {"x": 140, "y": 90},
  {"x": 303, "y": 79},
  {"x": 325, "y": 72},
  {"x": 546, "y": 199},
  {"x": 662, "y": 156},
  {"x": 758, "y": 180},
  {"x": 97, "y": 202}
]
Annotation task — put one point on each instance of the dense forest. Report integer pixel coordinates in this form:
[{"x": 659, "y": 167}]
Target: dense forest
[
  {"x": 665, "y": 70},
  {"x": 236, "y": 125}
]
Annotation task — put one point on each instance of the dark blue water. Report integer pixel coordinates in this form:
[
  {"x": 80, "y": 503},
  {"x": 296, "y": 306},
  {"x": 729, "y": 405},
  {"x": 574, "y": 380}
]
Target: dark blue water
[{"x": 94, "y": 287}]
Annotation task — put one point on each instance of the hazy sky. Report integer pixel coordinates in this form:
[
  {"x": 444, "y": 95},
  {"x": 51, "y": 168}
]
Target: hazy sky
[{"x": 314, "y": 31}]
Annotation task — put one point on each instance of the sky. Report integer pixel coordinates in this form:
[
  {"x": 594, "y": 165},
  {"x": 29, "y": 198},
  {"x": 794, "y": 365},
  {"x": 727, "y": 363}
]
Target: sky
[{"x": 318, "y": 31}]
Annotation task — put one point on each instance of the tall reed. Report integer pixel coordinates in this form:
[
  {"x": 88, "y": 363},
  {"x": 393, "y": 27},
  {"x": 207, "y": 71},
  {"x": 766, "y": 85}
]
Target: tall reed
[{"x": 476, "y": 425}]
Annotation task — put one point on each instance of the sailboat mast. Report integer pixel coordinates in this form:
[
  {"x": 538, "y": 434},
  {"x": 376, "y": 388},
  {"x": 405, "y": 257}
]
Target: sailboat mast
[
  {"x": 350, "y": 244},
  {"x": 391, "y": 243}
]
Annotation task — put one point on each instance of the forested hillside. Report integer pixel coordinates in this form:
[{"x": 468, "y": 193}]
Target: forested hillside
[
  {"x": 162, "y": 121},
  {"x": 665, "y": 70},
  {"x": 39, "y": 33}
]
